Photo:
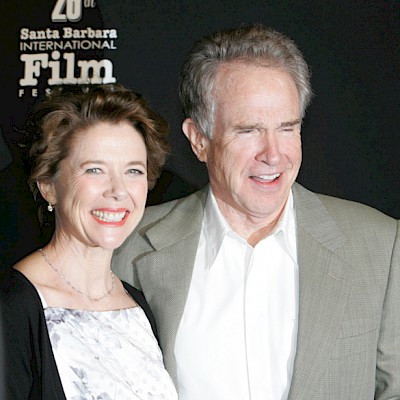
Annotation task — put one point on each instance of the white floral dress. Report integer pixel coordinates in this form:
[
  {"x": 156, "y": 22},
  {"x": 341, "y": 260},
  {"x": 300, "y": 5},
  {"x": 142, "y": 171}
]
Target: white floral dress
[{"x": 103, "y": 355}]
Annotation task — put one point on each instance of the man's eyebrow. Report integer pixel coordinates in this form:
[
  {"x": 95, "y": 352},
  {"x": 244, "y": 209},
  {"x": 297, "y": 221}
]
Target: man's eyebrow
[
  {"x": 290, "y": 123},
  {"x": 244, "y": 125}
]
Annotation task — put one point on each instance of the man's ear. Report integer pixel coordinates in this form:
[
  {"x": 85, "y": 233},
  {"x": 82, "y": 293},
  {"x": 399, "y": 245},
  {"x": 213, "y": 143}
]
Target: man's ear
[
  {"x": 197, "y": 139},
  {"x": 48, "y": 192}
]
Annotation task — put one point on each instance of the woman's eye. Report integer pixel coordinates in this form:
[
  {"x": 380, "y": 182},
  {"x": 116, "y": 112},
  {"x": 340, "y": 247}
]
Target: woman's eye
[{"x": 135, "y": 171}]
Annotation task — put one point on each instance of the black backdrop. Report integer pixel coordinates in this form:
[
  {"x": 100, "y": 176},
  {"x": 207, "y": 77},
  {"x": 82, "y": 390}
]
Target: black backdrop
[{"x": 350, "y": 134}]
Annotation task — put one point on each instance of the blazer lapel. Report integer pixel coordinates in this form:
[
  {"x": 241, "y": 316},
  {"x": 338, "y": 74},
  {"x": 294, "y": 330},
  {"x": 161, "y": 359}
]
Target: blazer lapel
[
  {"x": 165, "y": 273},
  {"x": 323, "y": 291}
]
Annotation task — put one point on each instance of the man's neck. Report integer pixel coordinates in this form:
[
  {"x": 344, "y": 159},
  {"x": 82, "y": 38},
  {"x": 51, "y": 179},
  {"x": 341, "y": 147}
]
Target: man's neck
[{"x": 251, "y": 228}]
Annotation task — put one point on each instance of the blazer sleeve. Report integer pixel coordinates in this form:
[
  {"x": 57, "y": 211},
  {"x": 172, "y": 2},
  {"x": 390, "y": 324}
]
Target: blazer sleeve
[{"x": 388, "y": 354}]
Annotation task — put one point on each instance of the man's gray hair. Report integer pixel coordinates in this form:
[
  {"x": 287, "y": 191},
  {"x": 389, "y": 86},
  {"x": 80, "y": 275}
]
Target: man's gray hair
[{"x": 253, "y": 44}]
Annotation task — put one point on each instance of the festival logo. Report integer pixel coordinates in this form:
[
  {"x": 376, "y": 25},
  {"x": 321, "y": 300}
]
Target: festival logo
[{"x": 69, "y": 50}]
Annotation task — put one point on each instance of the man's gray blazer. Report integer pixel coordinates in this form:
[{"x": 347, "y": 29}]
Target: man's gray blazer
[{"x": 348, "y": 345}]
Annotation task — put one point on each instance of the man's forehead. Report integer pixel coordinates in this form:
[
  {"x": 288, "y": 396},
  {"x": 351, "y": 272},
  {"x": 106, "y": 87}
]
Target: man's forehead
[{"x": 240, "y": 79}]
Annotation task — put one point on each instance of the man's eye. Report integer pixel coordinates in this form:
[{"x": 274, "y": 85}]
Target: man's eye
[{"x": 93, "y": 171}]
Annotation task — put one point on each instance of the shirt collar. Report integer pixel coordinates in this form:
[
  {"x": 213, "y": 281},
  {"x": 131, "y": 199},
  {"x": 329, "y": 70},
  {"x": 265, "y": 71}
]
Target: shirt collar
[
  {"x": 287, "y": 228},
  {"x": 215, "y": 228}
]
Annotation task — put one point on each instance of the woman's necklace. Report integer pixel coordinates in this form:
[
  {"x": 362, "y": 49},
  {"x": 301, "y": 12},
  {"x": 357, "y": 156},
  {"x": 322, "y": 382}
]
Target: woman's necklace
[{"x": 42, "y": 252}]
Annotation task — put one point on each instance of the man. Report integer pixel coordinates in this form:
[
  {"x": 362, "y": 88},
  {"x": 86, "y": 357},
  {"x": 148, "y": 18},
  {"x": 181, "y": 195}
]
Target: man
[{"x": 260, "y": 288}]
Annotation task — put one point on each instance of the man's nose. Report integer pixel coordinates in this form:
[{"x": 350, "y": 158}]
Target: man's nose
[{"x": 269, "y": 150}]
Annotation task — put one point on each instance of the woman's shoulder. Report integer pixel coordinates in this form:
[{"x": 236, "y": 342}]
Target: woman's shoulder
[
  {"x": 12, "y": 281},
  {"x": 16, "y": 291},
  {"x": 140, "y": 299},
  {"x": 136, "y": 294}
]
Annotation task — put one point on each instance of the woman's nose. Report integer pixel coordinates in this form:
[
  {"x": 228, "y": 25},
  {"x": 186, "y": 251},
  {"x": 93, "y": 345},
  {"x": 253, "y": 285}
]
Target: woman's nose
[{"x": 116, "y": 189}]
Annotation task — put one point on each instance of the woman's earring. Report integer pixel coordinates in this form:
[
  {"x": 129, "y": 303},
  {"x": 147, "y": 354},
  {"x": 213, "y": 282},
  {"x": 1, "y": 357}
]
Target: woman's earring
[{"x": 50, "y": 207}]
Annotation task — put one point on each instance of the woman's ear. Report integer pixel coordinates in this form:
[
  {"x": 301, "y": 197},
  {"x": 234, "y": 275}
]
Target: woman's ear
[
  {"x": 197, "y": 139},
  {"x": 47, "y": 191}
]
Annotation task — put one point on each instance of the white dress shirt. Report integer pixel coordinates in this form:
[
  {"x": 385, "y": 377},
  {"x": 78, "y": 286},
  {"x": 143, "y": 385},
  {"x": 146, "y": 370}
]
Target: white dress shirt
[{"x": 237, "y": 336}]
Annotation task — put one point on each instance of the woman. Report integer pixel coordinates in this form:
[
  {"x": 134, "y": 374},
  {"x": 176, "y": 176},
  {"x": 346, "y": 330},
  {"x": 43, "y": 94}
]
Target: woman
[{"x": 71, "y": 328}]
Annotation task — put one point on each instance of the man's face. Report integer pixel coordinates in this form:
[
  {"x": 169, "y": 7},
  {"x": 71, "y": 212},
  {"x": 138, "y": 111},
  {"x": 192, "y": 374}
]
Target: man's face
[{"x": 254, "y": 155}]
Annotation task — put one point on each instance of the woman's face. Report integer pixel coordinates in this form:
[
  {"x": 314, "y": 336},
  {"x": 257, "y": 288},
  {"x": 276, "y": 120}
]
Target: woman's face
[{"x": 100, "y": 191}]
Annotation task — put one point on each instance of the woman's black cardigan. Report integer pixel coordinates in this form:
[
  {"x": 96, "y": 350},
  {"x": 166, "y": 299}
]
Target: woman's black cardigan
[{"x": 28, "y": 366}]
